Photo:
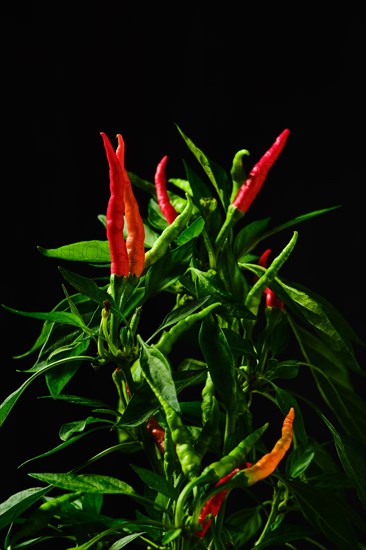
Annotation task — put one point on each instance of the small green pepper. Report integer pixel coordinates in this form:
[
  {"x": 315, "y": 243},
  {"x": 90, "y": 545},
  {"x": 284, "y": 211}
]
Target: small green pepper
[
  {"x": 189, "y": 459},
  {"x": 216, "y": 470},
  {"x": 168, "y": 338},
  {"x": 170, "y": 233}
]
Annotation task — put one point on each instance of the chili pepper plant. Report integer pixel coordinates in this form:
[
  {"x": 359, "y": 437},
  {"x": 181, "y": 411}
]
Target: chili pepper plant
[{"x": 231, "y": 412}]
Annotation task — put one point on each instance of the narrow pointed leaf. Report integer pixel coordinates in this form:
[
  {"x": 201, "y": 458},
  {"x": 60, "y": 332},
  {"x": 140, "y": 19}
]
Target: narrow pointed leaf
[
  {"x": 63, "y": 317},
  {"x": 220, "y": 360},
  {"x": 85, "y": 251},
  {"x": 7, "y": 405},
  {"x": 157, "y": 372}
]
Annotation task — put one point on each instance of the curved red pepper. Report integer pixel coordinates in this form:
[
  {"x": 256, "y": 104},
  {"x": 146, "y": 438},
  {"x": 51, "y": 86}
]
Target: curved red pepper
[{"x": 165, "y": 205}]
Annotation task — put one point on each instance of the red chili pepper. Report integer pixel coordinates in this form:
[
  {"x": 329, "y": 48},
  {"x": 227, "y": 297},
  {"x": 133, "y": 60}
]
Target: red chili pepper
[
  {"x": 165, "y": 205},
  {"x": 253, "y": 184},
  {"x": 212, "y": 506},
  {"x": 115, "y": 213},
  {"x": 135, "y": 227},
  {"x": 157, "y": 432},
  {"x": 272, "y": 300}
]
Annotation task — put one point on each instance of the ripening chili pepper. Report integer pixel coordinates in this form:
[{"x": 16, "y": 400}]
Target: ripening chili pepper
[
  {"x": 272, "y": 300},
  {"x": 266, "y": 465},
  {"x": 254, "y": 473},
  {"x": 115, "y": 213},
  {"x": 164, "y": 203},
  {"x": 253, "y": 184},
  {"x": 135, "y": 227},
  {"x": 157, "y": 432}
]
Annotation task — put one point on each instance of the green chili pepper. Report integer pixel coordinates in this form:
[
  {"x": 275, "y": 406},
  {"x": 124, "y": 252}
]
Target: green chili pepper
[
  {"x": 237, "y": 172},
  {"x": 170, "y": 233},
  {"x": 216, "y": 470},
  {"x": 168, "y": 338},
  {"x": 210, "y": 417},
  {"x": 170, "y": 456},
  {"x": 189, "y": 459},
  {"x": 254, "y": 295}
]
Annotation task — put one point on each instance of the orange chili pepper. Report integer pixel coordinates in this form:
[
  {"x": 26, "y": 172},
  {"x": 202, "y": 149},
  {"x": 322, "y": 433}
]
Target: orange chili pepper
[{"x": 135, "y": 227}]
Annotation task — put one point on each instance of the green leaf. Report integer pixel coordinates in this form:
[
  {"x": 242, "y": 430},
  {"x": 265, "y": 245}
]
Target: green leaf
[
  {"x": 70, "y": 428},
  {"x": 156, "y": 482},
  {"x": 192, "y": 231},
  {"x": 180, "y": 313},
  {"x": 285, "y": 533},
  {"x": 220, "y": 360},
  {"x": 248, "y": 235},
  {"x": 334, "y": 384},
  {"x": 215, "y": 173},
  {"x": 327, "y": 512},
  {"x": 243, "y": 525},
  {"x": 294, "y": 222},
  {"x": 60, "y": 447},
  {"x": 144, "y": 403},
  {"x": 85, "y": 251},
  {"x": 89, "y": 288},
  {"x": 7, "y": 405},
  {"x": 167, "y": 270},
  {"x": 209, "y": 284},
  {"x": 157, "y": 372},
  {"x": 314, "y": 313},
  {"x": 283, "y": 369},
  {"x": 18, "y": 503},
  {"x": 285, "y": 401},
  {"x": 62, "y": 317},
  {"x": 47, "y": 326},
  {"x": 299, "y": 460},
  {"x": 87, "y": 483},
  {"x": 57, "y": 378},
  {"x": 352, "y": 456},
  {"x": 121, "y": 543}
]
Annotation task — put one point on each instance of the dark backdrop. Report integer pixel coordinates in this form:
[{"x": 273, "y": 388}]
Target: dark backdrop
[{"x": 232, "y": 77}]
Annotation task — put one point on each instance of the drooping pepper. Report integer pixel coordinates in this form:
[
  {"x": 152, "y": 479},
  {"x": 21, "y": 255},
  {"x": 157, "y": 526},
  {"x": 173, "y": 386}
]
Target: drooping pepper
[
  {"x": 164, "y": 203},
  {"x": 135, "y": 227},
  {"x": 272, "y": 300},
  {"x": 115, "y": 213},
  {"x": 264, "y": 467}
]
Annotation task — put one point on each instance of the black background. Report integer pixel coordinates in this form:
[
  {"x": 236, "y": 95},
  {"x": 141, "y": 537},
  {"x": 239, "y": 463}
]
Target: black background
[{"x": 232, "y": 77}]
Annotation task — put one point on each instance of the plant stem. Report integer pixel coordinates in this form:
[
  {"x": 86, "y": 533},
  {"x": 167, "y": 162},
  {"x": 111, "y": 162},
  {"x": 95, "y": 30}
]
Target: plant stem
[{"x": 274, "y": 509}]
